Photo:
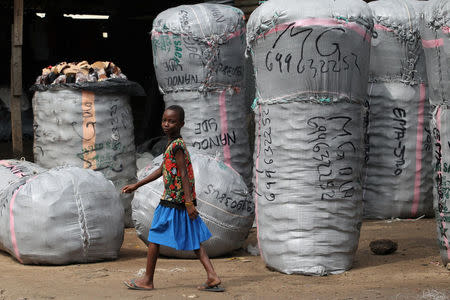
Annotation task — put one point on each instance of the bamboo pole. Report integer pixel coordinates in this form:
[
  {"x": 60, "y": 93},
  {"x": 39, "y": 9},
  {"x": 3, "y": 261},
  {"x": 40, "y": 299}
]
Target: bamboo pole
[{"x": 16, "y": 78}]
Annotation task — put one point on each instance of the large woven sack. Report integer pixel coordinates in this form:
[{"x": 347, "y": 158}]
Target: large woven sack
[
  {"x": 58, "y": 216},
  {"x": 311, "y": 61},
  {"x": 92, "y": 130},
  {"x": 223, "y": 201},
  {"x": 399, "y": 181},
  {"x": 199, "y": 60}
]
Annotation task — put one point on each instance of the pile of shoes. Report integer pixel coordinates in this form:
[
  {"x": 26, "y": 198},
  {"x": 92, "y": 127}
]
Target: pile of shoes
[{"x": 79, "y": 72}]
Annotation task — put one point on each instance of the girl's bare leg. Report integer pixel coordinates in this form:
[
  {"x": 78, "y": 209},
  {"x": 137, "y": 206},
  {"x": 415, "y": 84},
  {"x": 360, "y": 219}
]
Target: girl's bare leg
[
  {"x": 152, "y": 255},
  {"x": 212, "y": 278}
]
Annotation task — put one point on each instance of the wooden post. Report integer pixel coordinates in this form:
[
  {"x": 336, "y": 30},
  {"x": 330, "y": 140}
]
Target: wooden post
[{"x": 16, "y": 78}]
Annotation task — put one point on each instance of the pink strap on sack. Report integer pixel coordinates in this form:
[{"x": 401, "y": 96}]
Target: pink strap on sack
[
  {"x": 324, "y": 22},
  {"x": 14, "y": 169},
  {"x": 11, "y": 225},
  {"x": 419, "y": 143},
  {"x": 381, "y": 27},
  {"x": 432, "y": 43},
  {"x": 11, "y": 221},
  {"x": 230, "y": 36}
]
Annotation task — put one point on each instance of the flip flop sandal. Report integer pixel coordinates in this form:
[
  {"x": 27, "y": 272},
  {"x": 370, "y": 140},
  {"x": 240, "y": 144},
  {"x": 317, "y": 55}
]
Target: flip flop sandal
[
  {"x": 213, "y": 288},
  {"x": 132, "y": 286}
]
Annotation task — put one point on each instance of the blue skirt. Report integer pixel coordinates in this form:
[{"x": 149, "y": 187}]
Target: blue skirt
[{"x": 172, "y": 227}]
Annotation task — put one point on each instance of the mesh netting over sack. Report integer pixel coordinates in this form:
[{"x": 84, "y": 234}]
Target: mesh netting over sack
[
  {"x": 199, "y": 60},
  {"x": 87, "y": 129},
  {"x": 58, "y": 216},
  {"x": 398, "y": 183},
  {"x": 311, "y": 61},
  {"x": 435, "y": 32},
  {"x": 223, "y": 200}
]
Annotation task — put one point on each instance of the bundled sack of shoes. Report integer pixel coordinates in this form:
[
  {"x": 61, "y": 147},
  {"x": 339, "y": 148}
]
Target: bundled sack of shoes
[
  {"x": 199, "y": 60},
  {"x": 87, "y": 124},
  {"x": 79, "y": 72},
  {"x": 311, "y": 61},
  {"x": 59, "y": 216}
]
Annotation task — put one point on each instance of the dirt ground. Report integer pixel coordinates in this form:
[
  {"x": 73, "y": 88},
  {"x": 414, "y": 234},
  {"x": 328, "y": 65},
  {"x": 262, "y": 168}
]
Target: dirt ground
[{"x": 414, "y": 271}]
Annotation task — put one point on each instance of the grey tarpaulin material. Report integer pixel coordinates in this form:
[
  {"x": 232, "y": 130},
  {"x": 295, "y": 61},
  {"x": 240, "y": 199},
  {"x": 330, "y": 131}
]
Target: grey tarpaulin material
[
  {"x": 311, "y": 62},
  {"x": 58, "y": 216},
  {"x": 398, "y": 183},
  {"x": 92, "y": 130},
  {"x": 224, "y": 204},
  {"x": 199, "y": 59},
  {"x": 435, "y": 33}
]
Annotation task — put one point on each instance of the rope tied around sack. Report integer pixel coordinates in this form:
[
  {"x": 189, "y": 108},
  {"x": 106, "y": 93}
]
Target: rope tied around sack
[
  {"x": 342, "y": 18},
  {"x": 13, "y": 185},
  {"x": 439, "y": 16},
  {"x": 264, "y": 26},
  {"x": 85, "y": 237},
  {"x": 309, "y": 97},
  {"x": 409, "y": 36}
]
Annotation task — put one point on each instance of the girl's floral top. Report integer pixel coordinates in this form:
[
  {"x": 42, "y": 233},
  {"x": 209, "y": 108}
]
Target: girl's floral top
[{"x": 173, "y": 188}]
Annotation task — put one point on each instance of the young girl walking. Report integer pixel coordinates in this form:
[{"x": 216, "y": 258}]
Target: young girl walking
[{"x": 176, "y": 222}]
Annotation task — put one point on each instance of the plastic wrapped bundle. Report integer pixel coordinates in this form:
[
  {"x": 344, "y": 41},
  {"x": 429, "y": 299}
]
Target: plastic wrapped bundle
[
  {"x": 398, "y": 182},
  {"x": 223, "y": 202},
  {"x": 58, "y": 216},
  {"x": 199, "y": 59},
  {"x": 311, "y": 62},
  {"x": 88, "y": 129},
  {"x": 435, "y": 31}
]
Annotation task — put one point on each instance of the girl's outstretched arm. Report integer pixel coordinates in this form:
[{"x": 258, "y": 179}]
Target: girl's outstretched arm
[
  {"x": 181, "y": 166},
  {"x": 154, "y": 175}
]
